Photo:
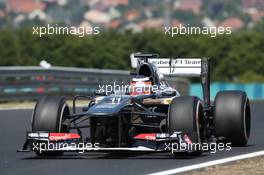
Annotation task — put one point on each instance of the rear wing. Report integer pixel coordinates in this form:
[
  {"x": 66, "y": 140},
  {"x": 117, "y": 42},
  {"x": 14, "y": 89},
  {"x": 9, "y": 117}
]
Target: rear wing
[
  {"x": 186, "y": 67},
  {"x": 191, "y": 67}
]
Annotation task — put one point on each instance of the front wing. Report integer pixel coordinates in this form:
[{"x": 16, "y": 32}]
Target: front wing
[{"x": 71, "y": 142}]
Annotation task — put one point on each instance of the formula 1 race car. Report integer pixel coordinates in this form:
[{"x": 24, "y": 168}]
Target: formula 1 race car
[{"x": 148, "y": 116}]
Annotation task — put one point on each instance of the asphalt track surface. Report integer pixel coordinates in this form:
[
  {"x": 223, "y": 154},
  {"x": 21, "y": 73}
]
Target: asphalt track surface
[{"x": 14, "y": 124}]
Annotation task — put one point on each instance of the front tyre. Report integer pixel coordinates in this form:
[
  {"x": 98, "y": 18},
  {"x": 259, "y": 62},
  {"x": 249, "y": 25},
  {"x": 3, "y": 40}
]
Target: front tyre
[
  {"x": 186, "y": 115},
  {"x": 49, "y": 115}
]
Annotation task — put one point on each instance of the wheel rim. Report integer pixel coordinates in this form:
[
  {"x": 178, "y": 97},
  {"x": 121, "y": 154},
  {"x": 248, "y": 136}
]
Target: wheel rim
[
  {"x": 246, "y": 119},
  {"x": 63, "y": 110},
  {"x": 198, "y": 124}
]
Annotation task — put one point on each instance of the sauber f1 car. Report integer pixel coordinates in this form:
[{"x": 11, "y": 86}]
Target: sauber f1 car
[{"x": 158, "y": 119}]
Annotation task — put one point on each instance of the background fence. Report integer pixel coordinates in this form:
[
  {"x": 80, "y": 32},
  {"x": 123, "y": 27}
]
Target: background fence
[
  {"x": 27, "y": 83},
  {"x": 30, "y": 83},
  {"x": 255, "y": 91}
]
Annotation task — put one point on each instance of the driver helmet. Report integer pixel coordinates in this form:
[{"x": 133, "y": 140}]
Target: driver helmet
[{"x": 140, "y": 86}]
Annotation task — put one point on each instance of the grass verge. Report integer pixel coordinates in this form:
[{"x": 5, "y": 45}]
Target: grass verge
[{"x": 242, "y": 167}]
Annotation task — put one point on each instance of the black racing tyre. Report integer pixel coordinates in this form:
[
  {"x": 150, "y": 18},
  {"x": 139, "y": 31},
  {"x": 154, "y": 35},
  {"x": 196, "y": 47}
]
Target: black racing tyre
[
  {"x": 186, "y": 115},
  {"x": 232, "y": 117},
  {"x": 48, "y": 115}
]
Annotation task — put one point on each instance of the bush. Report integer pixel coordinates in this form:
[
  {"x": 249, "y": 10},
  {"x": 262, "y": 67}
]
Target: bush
[{"x": 233, "y": 56}]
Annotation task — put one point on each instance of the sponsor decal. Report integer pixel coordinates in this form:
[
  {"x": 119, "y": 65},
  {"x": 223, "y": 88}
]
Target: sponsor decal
[
  {"x": 147, "y": 136},
  {"x": 178, "y": 66},
  {"x": 63, "y": 136}
]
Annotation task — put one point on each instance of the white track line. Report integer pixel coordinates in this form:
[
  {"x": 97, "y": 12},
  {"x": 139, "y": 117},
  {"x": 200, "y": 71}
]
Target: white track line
[
  {"x": 15, "y": 108},
  {"x": 210, "y": 163}
]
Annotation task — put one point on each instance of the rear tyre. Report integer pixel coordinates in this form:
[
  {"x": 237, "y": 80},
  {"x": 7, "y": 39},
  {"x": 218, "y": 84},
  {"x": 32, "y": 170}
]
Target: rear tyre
[
  {"x": 186, "y": 115},
  {"x": 232, "y": 117},
  {"x": 49, "y": 115}
]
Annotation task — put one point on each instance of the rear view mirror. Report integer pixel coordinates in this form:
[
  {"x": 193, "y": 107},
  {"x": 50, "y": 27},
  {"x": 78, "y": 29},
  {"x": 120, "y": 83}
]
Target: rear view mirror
[{"x": 99, "y": 93}]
